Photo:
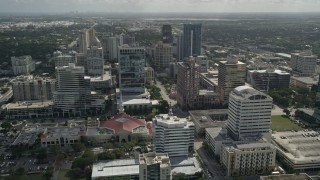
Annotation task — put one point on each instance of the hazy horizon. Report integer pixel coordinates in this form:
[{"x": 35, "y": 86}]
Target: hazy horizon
[{"x": 158, "y": 6}]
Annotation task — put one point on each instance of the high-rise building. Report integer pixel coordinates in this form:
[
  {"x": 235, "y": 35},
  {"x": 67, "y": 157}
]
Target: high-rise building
[
  {"x": 173, "y": 135},
  {"x": 87, "y": 36},
  {"x": 112, "y": 46},
  {"x": 192, "y": 38},
  {"x": 167, "y": 34},
  {"x": 162, "y": 56},
  {"x": 232, "y": 73},
  {"x": 154, "y": 166},
  {"x": 61, "y": 59},
  {"x": 203, "y": 62},
  {"x": 131, "y": 69},
  {"x": 95, "y": 60},
  {"x": 304, "y": 63},
  {"x": 188, "y": 83},
  {"x": 22, "y": 65},
  {"x": 245, "y": 159},
  {"x": 249, "y": 112},
  {"x": 179, "y": 47},
  {"x": 73, "y": 90},
  {"x": 268, "y": 79},
  {"x": 130, "y": 40},
  {"x": 27, "y": 88}
]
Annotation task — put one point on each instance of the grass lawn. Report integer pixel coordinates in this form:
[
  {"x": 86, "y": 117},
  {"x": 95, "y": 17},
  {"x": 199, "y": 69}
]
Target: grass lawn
[{"x": 280, "y": 123}]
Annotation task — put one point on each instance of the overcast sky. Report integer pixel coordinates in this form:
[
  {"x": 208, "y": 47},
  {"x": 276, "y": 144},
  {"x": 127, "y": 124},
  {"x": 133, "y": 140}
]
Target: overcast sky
[{"x": 59, "y": 6}]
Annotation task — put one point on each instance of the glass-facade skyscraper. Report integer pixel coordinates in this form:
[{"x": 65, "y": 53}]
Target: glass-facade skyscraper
[{"x": 192, "y": 38}]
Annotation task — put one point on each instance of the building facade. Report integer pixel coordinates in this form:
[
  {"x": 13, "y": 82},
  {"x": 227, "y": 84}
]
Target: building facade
[
  {"x": 249, "y": 112},
  {"x": 22, "y": 65},
  {"x": 167, "y": 34},
  {"x": 203, "y": 62},
  {"x": 232, "y": 73},
  {"x": 303, "y": 63},
  {"x": 163, "y": 56},
  {"x": 173, "y": 135},
  {"x": 154, "y": 166},
  {"x": 192, "y": 38},
  {"x": 149, "y": 75}
]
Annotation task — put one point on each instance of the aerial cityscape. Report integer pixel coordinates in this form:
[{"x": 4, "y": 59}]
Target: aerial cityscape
[{"x": 156, "y": 94}]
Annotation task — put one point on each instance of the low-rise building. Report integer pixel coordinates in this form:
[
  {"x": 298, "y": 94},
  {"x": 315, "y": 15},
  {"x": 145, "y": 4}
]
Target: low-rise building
[
  {"x": 154, "y": 166},
  {"x": 215, "y": 138},
  {"x": 134, "y": 102},
  {"x": 301, "y": 176},
  {"x": 101, "y": 82},
  {"x": 31, "y": 109},
  {"x": 303, "y": 82},
  {"x": 245, "y": 159},
  {"x": 188, "y": 166},
  {"x": 61, "y": 136}
]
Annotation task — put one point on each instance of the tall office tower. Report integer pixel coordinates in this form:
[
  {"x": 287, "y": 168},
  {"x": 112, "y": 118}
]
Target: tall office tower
[
  {"x": 22, "y": 65},
  {"x": 73, "y": 90},
  {"x": 63, "y": 59},
  {"x": 249, "y": 112},
  {"x": 95, "y": 61},
  {"x": 173, "y": 135},
  {"x": 232, "y": 73},
  {"x": 192, "y": 38},
  {"x": 154, "y": 166},
  {"x": 203, "y": 62},
  {"x": 85, "y": 39},
  {"x": 27, "y": 88},
  {"x": 188, "y": 82},
  {"x": 179, "y": 47},
  {"x": 131, "y": 69},
  {"x": 167, "y": 34},
  {"x": 113, "y": 44},
  {"x": 304, "y": 63},
  {"x": 162, "y": 56}
]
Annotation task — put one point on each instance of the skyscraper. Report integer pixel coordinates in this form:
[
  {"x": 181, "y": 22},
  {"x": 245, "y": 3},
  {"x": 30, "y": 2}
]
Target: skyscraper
[
  {"x": 162, "y": 56},
  {"x": 249, "y": 112},
  {"x": 179, "y": 47},
  {"x": 95, "y": 60},
  {"x": 131, "y": 69},
  {"x": 73, "y": 90},
  {"x": 232, "y": 73},
  {"x": 167, "y": 34},
  {"x": 192, "y": 38}
]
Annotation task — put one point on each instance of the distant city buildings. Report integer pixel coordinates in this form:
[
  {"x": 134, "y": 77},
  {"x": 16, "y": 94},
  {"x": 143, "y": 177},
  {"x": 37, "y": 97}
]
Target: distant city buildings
[
  {"x": 232, "y": 73},
  {"x": 303, "y": 63},
  {"x": 192, "y": 38},
  {"x": 249, "y": 113},
  {"x": 269, "y": 79},
  {"x": 61, "y": 59},
  {"x": 28, "y": 88},
  {"x": 173, "y": 135},
  {"x": 167, "y": 34},
  {"x": 22, "y": 65},
  {"x": 163, "y": 56}
]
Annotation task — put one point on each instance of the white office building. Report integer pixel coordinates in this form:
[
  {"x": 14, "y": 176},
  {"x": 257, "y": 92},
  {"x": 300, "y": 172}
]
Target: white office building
[
  {"x": 249, "y": 112},
  {"x": 173, "y": 135},
  {"x": 22, "y": 65},
  {"x": 304, "y": 63}
]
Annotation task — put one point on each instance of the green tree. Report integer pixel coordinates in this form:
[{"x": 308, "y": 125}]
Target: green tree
[
  {"x": 78, "y": 147},
  {"x": 48, "y": 173},
  {"x": 287, "y": 112},
  {"x": 179, "y": 176},
  {"x": 108, "y": 146},
  {"x": 6, "y": 126}
]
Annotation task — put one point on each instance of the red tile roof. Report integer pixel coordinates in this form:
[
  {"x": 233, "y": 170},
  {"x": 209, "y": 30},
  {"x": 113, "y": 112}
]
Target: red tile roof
[{"x": 122, "y": 122}]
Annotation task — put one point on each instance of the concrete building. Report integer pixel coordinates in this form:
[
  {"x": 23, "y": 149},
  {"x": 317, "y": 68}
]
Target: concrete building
[
  {"x": 30, "y": 109},
  {"x": 81, "y": 59},
  {"x": 95, "y": 66},
  {"x": 131, "y": 69},
  {"x": 63, "y": 59},
  {"x": 269, "y": 79},
  {"x": 113, "y": 44},
  {"x": 73, "y": 90},
  {"x": 28, "y": 88},
  {"x": 173, "y": 135},
  {"x": 149, "y": 75},
  {"x": 300, "y": 176},
  {"x": 155, "y": 166},
  {"x": 203, "y": 62},
  {"x": 215, "y": 137},
  {"x": 209, "y": 80},
  {"x": 22, "y": 65},
  {"x": 61, "y": 136},
  {"x": 163, "y": 56},
  {"x": 101, "y": 82},
  {"x": 192, "y": 38},
  {"x": 232, "y": 73},
  {"x": 299, "y": 150},
  {"x": 167, "y": 34},
  {"x": 134, "y": 102},
  {"x": 245, "y": 159},
  {"x": 303, "y": 63},
  {"x": 249, "y": 112},
  {"x": 303, "y": 82},
  {"x": 203, "y": 119},
  {"x": 189, "y": 94}
]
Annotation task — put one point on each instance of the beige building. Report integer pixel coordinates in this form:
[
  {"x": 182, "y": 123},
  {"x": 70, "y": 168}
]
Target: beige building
[
  {"x": 149, "y": 74},
  {"x": 245, "y": 159},
  {"x": 232, "y": 73},
  {"x": 303, "y": 82},
  {"x": 154, "y": 166},
  {"x": 163, "y": 55},
  {"x": 303, "y": 63}
]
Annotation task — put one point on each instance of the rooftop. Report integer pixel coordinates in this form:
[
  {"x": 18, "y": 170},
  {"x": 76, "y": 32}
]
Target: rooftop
[
  {"x": 53, "y": 133},
  {"x": 246, "y": 92},
  {"x": 275, "y": 71},
  {"x": 302, "y": 176},
  {"x": 154, "y": 158},
  {"x": 115, "y": 168},
  {"x": 170, "y": 121},
  {"x": 209, "y": 118},
  {"x": 300, "y": 147},
  {"x": 189, "y": 165},
  {"x": 30, "y": 104},
  {"x": 307, "y": 80},
  {"x": 124, "y": 122}
]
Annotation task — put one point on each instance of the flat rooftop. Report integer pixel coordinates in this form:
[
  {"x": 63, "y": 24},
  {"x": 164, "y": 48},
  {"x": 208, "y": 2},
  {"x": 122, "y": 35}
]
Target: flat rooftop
[
  {"x": 209, "y": 118},
  {"x": 187, "y": 165},
  {"x": 307, "y": 80},
  {"x": 62, "y": 131},
  {"x": 275, "y": 71},
  {"x": 302, "y": 176},
  {"x": 31, "y": 104},
  {"x": 115, "y": 168},
  {"x": 300, "y": 147}
]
